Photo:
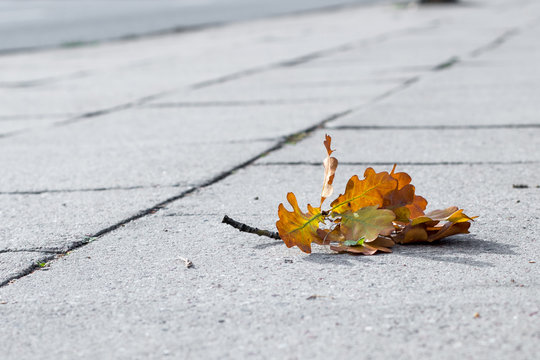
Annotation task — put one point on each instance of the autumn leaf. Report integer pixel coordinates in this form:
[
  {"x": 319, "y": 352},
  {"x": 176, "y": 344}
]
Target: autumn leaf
[
  {"x": 366, "y": 192},
  {"x": 426, "y": 229},
  {"x": 380, "y": 244},
  {"x": 328, "y": 236},
  {"x": 330, "y": 166},
  {"x": 296, "y": 227},
  {"x": 367, "y": 223},
  {"x": 447, "y": 230},
  {"x": 403, "y": 197}
]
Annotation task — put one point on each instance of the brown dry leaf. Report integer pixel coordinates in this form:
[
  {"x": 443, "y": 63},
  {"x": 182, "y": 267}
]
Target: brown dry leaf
[
  {"x": 296, "y": 227},
  {"x": 327, "y": 236},
  {"x": 380, "y": 244},
  {"x": 367, "y": 223},
  {"x": 417, "y": 207},
  {"x": 404, "y": 196},
  {"x": 359, "y": 250},
  {"x": 451, "y": 214},
  {"x": 366, "y": 192},
  {"x": 412, "y": 234},
  {"x": 330, "y": 166},
  {"x": 448, "y": 229}
]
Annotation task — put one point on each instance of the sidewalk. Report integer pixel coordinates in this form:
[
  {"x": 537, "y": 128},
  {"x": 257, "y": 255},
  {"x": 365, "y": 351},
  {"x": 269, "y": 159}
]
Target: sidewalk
[{"x": 120, "y": 158}]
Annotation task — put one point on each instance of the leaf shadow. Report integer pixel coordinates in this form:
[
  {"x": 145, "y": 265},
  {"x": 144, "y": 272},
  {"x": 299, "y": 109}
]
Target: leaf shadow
[
  {"x": 452, "y": 250},
  {"x": 267, "y": 245},
  {"x": 334, "y": 258}
]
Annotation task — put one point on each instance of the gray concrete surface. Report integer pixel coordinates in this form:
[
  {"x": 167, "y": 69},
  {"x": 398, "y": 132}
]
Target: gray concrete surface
[
  {"x": 39, "y": 24},
  {"x": 176, "y": 131}
]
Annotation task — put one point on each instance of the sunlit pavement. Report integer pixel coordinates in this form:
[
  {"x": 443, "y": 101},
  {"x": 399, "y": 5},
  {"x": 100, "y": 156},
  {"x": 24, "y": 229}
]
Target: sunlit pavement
[{"x": 120, "y": 159}]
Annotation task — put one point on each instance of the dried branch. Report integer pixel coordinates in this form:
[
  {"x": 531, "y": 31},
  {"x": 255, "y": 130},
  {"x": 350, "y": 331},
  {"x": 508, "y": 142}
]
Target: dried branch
[{"x": 246, "y": 228}]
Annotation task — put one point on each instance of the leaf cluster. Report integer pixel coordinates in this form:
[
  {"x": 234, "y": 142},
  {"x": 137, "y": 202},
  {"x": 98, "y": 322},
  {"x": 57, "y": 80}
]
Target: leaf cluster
[{"x": 372, "y": 215}]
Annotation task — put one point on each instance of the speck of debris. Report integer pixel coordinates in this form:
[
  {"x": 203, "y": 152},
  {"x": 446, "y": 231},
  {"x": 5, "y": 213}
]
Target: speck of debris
[
  {"x": 517, "y": 202},
  {"x": 313, "y": 297},
  {"x": 476, "y": 315},
  {"x": 520, "y": 186},
  {"x": 288, "y": 261},
  {"x": 256, "y": 198},
  {"x": 3, "y": 302},
  {"x": 187, "y": 262},
  {"x": 221, "y": 321}
]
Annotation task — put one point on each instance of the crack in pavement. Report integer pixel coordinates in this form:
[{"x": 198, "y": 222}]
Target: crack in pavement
[{"x": 33, "y": 250}]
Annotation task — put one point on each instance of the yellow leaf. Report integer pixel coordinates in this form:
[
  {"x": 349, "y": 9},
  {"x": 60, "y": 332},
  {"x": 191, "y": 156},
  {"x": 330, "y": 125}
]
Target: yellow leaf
[
  {"x": 296, "y": 227},
  {"x": 367, "y": 223}
]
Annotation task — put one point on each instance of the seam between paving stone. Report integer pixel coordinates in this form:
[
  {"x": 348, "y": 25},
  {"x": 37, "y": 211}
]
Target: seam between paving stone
[
  {"x": 436, "y": 127},
  {"x": 177, "y": 30},
  {"x": 295, "y": 137},
  {"x": 99, "y": 189},
  {"x": 302, "y": 59},
  {"x": 390, "y": 163},
  {"x": 33, "y": 250},
  {"x": 143, "y": 213}
]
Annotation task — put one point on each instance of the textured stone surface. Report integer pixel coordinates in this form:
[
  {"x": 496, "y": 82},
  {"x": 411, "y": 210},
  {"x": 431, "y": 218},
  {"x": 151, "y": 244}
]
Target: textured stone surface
[
  {"x": 129, "y": 295},
  {"x": 465, "y": 130}
]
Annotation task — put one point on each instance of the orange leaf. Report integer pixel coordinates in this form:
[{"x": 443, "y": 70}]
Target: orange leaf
[
  {"x": 403, "y": 196},
  {"x": 417, "y": 207},
  {"x": 367, "y": 192},
  {"x": 330, "y": 166},
  {"x": 296, "y": 227}
]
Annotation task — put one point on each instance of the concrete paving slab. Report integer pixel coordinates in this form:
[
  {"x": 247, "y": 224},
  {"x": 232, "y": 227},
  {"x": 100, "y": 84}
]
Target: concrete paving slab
[
  {"x": 11, "y": 263},
  {"x": 13, "y": 125},
  {"x": 470, "y": 94},
  {"x": 417, "y": 146},
  {"x": 59, "y": 219},
  {"x": 144, "y": 147},
  {"x": 129, "y": 295},
  {"x": 84, "y": 87}
]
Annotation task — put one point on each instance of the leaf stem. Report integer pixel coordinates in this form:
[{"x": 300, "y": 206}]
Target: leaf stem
[{"x": 249, "y": 229}]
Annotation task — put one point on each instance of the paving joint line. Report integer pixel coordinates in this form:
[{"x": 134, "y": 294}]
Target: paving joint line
[
  {"x": 236, "y": 75},
  {"x": 99, "y": 189},
  {"x": 298, "y": 136},
  {"x": 435, "y": 127},
  {"x": 159, "y": 206},
  {"x": 390, "y": 163},
  {"x": 32, "y": 250}
]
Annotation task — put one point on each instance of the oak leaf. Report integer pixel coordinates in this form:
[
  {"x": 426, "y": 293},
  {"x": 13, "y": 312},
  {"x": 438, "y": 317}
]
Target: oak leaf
[
  {"x": 297, "y": 227},
  {"x": 404, "y": 197},
  {"x": 380, "y": 244},
  {"x": 367, "y": 223},
  {"x": 330, "y": 165},
  {"x": 426, "y": 228},
  {"x": 366, "y": 192}
]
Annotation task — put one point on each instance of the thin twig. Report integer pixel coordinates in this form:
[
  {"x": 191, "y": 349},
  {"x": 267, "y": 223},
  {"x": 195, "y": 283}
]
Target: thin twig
[{"x": 246, "y": 228}]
